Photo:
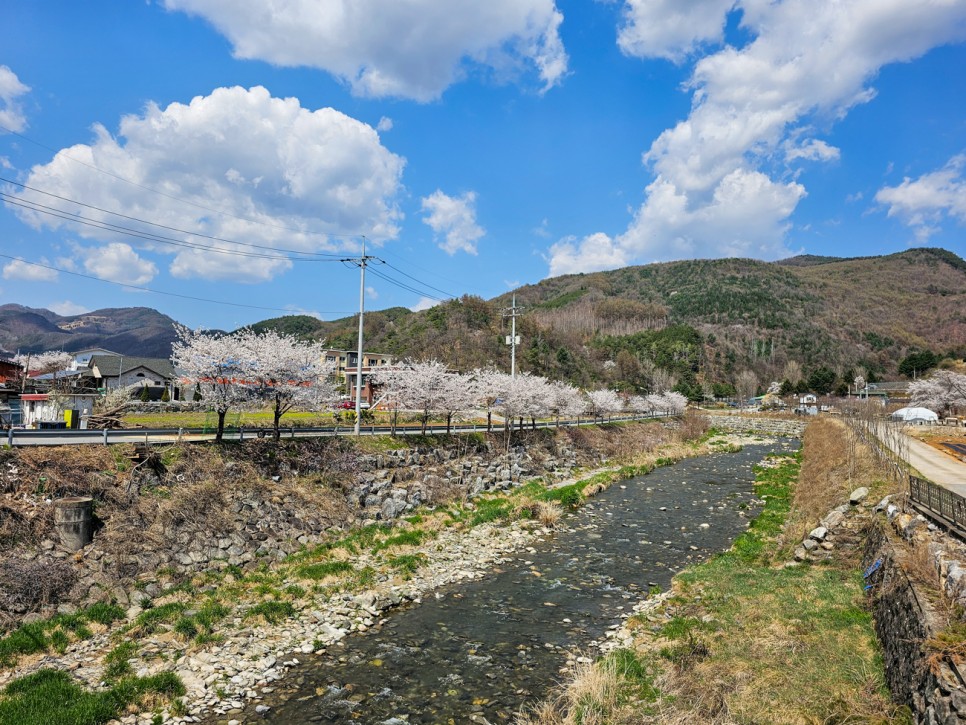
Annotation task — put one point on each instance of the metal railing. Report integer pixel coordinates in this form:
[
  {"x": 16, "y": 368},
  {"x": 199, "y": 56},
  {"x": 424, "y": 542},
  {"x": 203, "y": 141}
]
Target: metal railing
[
  {"x": 938, "y": 502},
  {"x": 20, "y": 437}
]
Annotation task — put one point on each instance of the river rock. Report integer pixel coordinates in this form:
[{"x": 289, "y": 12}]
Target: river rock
[
  {"x": 858, "y": 496},
  {"x": 818, "y": 534}
]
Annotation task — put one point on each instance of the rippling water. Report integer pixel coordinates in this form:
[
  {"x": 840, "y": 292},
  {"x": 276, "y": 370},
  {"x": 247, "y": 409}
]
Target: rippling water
[{"x": 486, "y": 648}]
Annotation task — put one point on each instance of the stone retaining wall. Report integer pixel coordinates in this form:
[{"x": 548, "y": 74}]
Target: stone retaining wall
[
  {"x": 265, "y": 524},
  {"x": 746, "y": 423},
  {"x": 933, "y": 689}
]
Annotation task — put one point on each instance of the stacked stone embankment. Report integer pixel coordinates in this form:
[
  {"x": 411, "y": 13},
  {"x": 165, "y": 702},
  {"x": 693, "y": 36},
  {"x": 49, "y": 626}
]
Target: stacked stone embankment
[
  {"x": 909, "y": 615},
  {"x": 757, "y": 424}
]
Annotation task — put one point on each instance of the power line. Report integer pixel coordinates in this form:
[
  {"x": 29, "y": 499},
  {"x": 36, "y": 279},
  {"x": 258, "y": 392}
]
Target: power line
[
  {"x": 169, "y": 196},
  {"x": 424, "y": 284},
  {"x": 144, "y": 221},
  {"x": 148, "y": 236},
  {"x": 161, "y": 292}
]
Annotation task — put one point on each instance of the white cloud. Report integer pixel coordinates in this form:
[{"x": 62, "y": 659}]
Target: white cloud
[
  {"x": 807, "y": 60},
  {"x": 385, "y": 124},
  {"x": 19, "y": 269},
  {"x": 924, "y": 202},
  {"x": 251, "y": 167},
  {"x": 11, "y": 91},
  {"x": 456, "y": 218},
  {"x": 543, "y": 230},
  {"x": 116, "y": 262},
  {"x": 68, "y": 308},
  {"x": 811, "y": 150},
  {"x": 413, "y": 49},
  {"x": 372, "y": 293},
  {"x": 671, "y": 29},
  {"x": 424, "y": 304},
  {"x": 591, "y": 254}
]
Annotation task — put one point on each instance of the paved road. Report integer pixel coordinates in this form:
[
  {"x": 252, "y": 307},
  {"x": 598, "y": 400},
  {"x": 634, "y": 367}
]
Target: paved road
[{"x": 936, "y": 466}]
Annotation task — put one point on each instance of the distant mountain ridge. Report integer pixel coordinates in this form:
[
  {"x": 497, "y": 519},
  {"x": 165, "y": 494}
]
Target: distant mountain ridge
[
  {"x": 703, "y": 320},
  {"x": 126, "y": 330}
]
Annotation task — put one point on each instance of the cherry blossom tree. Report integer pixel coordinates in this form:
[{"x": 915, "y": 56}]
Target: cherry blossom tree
[
  {"x": 290, "y": 373},
  {"x": 604, "y": 402},
  {"x": 563, "y": 400},
  {"x": 44, "y": 363},
  {"x": 942, "y": 391},
  {"x": 217, "y": 364},
  {"x": 419, "y": 386}
]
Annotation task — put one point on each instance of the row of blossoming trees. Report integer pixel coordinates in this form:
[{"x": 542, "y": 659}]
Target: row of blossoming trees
[{"x": 245, "y": 369}]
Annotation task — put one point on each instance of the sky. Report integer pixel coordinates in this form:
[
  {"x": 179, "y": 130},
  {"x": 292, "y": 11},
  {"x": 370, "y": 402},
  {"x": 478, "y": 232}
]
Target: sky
[{"x": 220, "y": 160}]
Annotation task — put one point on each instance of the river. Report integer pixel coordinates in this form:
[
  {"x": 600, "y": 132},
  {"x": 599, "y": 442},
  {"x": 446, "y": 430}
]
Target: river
[{"x": 480, "y": 651}]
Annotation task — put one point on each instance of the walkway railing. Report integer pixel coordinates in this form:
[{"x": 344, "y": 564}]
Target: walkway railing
[
  {"x": 939, "y": 503},
  {"x": 15, "y": 437}
]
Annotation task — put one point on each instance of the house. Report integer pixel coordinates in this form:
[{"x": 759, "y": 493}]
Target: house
[
  {"x": 82, "y": 358},
  {"x": 10, "y": 371},
  {"x": 73, "y": 410},
  {"x": 345, "y": 369},
  {"x": 118, "y": 371}
]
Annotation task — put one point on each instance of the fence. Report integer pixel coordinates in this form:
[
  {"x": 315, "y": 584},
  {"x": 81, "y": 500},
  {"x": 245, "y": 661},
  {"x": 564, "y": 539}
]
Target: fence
[
  {"x": 149, "y": 436},
  {"x": 939, "y": 503}
]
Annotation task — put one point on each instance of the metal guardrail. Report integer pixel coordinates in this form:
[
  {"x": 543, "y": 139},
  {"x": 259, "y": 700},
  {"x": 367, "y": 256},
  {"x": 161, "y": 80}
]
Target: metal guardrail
[
  {"x": 19, "y": 437},
  {"x": 939, "y": 503}
]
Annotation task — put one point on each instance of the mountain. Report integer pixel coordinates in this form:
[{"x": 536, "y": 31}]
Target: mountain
[
  {"x": 126, "y": 330},
  {"x": 696, "y": 322},
  {"x": 699, "y": 320}
]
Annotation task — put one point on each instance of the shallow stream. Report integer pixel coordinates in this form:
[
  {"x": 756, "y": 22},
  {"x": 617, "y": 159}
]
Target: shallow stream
[{"x": 480, "y": 651}]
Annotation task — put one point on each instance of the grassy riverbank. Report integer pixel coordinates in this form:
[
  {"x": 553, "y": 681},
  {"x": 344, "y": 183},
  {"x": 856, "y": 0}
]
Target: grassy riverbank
[
  {"x": 749, "y": 637},
  {"x": 195, "y": 613}
]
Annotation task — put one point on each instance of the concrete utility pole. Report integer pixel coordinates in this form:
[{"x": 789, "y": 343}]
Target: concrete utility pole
[
  {"x": 362, "y": 262},
  {"x": 512, "y": 340}
]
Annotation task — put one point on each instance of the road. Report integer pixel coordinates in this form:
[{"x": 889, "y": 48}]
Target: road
[{"x": 936, "y": 466}]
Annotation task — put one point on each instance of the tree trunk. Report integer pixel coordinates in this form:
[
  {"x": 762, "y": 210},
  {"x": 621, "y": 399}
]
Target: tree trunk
[
  {"x": 489, "y": 421},
  {"x": 219, "y": 434},
  {"x": 449, "y": 422},
  {"x": 276, "y": 432}
]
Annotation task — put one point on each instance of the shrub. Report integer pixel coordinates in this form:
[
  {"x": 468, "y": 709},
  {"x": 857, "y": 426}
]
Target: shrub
[{"x": 30, "y": 585}]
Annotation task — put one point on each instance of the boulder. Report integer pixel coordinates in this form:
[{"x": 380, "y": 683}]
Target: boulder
[
  {"x": 818, "y": 534},
  {"x": 858, "y": 496}
]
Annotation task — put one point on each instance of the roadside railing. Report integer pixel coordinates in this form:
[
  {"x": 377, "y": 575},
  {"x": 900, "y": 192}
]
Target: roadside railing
[
  {"x": 939, "y": 503},
  {"x": 20, "y": 437}
]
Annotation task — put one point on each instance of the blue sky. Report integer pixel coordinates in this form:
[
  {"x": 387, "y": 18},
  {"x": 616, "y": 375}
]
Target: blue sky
[{"x": 476, "y": 145}]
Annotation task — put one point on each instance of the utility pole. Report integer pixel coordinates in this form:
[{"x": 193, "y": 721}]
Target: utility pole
[
  {"x": 362, "y": 262},
  {"x": 513, "y": 340}
]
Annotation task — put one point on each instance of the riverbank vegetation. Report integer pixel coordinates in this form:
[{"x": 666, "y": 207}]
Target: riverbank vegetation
[
  {"x": 188, "y": 486},
  {"x": 751, "y": 636}
]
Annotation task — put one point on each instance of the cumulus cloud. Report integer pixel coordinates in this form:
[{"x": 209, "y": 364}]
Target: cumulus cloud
[
  {"x": 671, "y": 29},
  {"x": 454, "y": 217},
  {"x": 68, "y": 308},
  {"x": 237, "y": 164},
  {"x": 116, "y": 262},
  {"x": 712, "y": 194},
  {"x": 424, "y": 304},
  {"x": 923, "y": 203},
  {"x": 11, "y": 111},
  {"x": 19, "y": 269},
  {"x": 385, "y": 124},
  {"x": 413, "y": 49},
  {"x": 590, "y": 254}
]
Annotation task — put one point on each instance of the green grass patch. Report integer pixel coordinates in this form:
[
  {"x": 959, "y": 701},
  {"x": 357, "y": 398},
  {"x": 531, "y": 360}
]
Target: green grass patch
[
  {"x": 407, "y": 564},
  {"x": 151, "y": 620},
  {"x": 273, "y": 611},
  {"x": 413, "y": 537},
  {"x": 52, "y": 696},
  {"x": 56, "y": 633},
  {"x": 324, "y": 569}
]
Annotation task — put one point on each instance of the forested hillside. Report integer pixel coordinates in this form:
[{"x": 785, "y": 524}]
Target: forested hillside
[
  {"x": 698, "y": 322},
  {"x": 696, "y": 325}
]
